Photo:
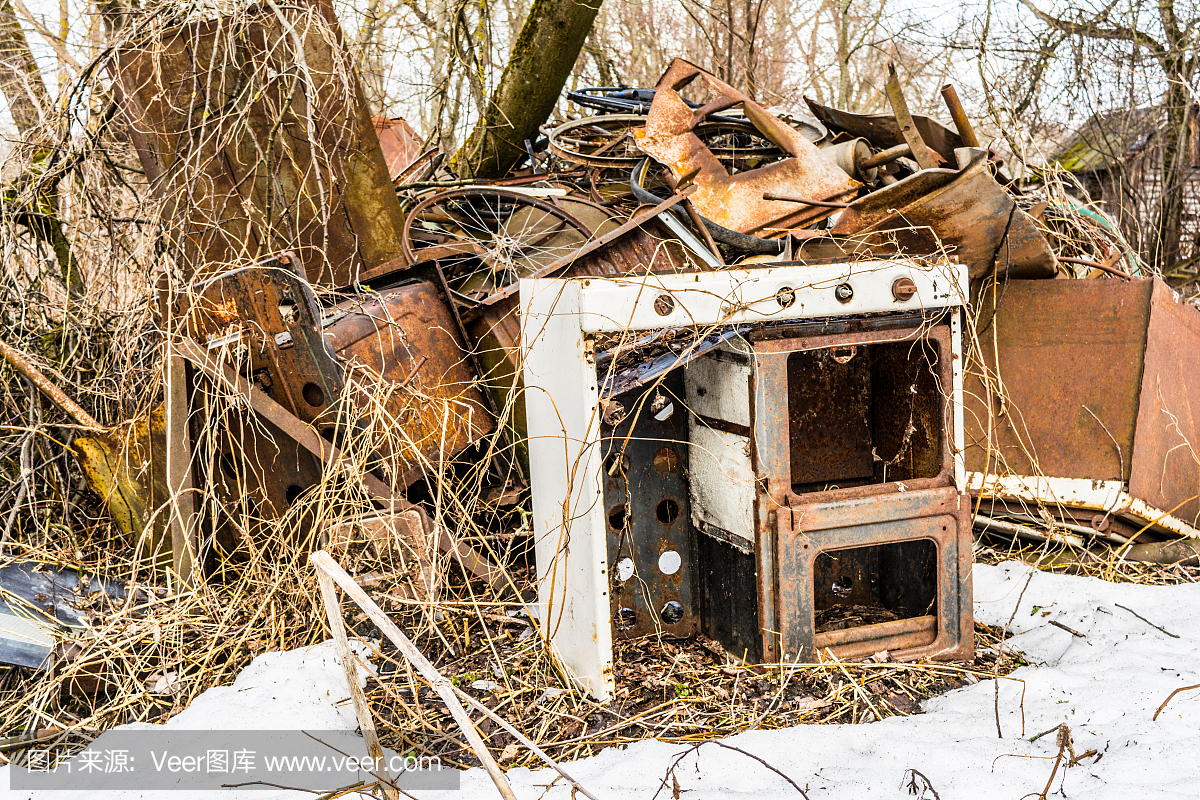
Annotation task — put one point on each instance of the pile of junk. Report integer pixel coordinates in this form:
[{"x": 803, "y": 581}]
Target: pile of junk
[{"x": 754, "y": 375}]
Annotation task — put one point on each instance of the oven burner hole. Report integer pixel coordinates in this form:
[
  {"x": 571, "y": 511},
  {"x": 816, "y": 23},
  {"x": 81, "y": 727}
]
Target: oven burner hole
[
  {"x": 625, "y": 569},
  {"x": 672, "y": 612},
  {"x": 626, "y": 619},
  {"x": 667, "y": 511},
  {"x": 313, "y": 395},
  {"x": 666, "y": 460},
  {"x": 616, "y": 517}
]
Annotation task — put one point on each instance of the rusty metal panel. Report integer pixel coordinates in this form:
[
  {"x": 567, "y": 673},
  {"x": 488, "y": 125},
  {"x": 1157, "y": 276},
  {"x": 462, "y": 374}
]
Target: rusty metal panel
[
  {"x": 403, "y": 344},
  {"x": 829, "y": 422},
  {"x": 736, "y": 201},
  {"x": 400, "y": 142},
  {"x": 1070, "y": 366},
  {"x": 254, "y": 130},
  {"x": 268, "y": 321},
  {"x": 1165, "y": 470},
  {"x": 963, "y": 212}
]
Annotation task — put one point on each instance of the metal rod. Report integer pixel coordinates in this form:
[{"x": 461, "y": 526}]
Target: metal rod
[
  {"x": 904, "y": 119},
  {"x": 805, "y": 200},
  {"x": 1087, "y": 262},
  {"x": 915, "y": 628},
  {"x": 1025, "y": 532},
  {"x": 1082, "y": 529},
  {"x": 47, "y": 387},
  {"x": 957, "y": 113}
]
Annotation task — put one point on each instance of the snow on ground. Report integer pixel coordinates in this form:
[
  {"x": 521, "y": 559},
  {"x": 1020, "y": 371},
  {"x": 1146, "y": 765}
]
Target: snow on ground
[
  {"x": 302, "y": 689},
  {"x": 1106, "y": 687}
]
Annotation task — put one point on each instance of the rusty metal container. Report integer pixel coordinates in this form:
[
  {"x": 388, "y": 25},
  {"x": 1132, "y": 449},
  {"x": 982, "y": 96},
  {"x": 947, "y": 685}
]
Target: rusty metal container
[
  {"x": 403, "y": 346},
  {"x": 1086, "y": 394},
  {"x": 397, "y": 354},
  {"x": 863, "y": 540}
]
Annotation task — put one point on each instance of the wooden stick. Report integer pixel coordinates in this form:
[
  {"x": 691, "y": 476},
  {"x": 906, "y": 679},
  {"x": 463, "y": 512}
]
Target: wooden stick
[
  {"x": 1171, "y": 695},
  {"x": 333, "y": 613},
  {"x": 325, "y": 563},
  {"x": 537, "y": 751}
]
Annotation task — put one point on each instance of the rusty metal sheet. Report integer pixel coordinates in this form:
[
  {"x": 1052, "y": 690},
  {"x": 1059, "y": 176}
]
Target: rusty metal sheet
[
  {"x": 1165, "y": 469},
  {"x": 267, "y": 320},
  {"x": 1070, "y": 360},
  {"x": 404, "y": 344},
  {"x": 257, "y": 147},
  {"x": 964, "y": 212},
  {"x": 736, "y": 201},
  {"x": 400, "y": 142}
]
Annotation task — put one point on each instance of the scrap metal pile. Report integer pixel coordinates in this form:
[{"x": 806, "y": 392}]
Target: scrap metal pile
[{"x": 748, "y": 364}]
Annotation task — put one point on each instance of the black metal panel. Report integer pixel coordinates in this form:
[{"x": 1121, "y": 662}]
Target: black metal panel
[
  {"x": 648, "y": 513},
  {"x": 728, "y": 586}
]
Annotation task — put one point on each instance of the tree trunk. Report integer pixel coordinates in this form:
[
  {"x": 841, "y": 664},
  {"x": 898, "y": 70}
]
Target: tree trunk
[
  {"x": 20, "y": 79},
  {"x": 1173, "y": 175},
  {"x": 25, "y": 91},
  {"x": 541, "y": 61},
  {"x": 843, "y": 54}
]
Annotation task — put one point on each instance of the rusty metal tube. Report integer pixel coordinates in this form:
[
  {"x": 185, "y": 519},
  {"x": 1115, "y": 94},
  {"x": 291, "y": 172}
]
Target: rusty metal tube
[
  {"x": 959, "y": 115},
  {"x": 47, "y": 387},
  {"x": 1011, "y": 529},
  {"x": 903, "y": 633},
  {"x": 805, "y": 200},
  {"x": 1175, "y": 551},
  {"x": 885, "y": 157}
]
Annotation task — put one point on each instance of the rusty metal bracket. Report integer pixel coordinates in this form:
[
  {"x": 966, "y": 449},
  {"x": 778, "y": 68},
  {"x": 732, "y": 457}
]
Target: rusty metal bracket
[
  {"x": 895, "y": 93},
  {"x": 306, "y": 437},
  {"x": 735, "y": 201}
]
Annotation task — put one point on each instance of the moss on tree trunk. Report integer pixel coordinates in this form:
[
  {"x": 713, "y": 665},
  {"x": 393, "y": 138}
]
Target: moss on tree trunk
[{"x": 541, "y": 60}]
